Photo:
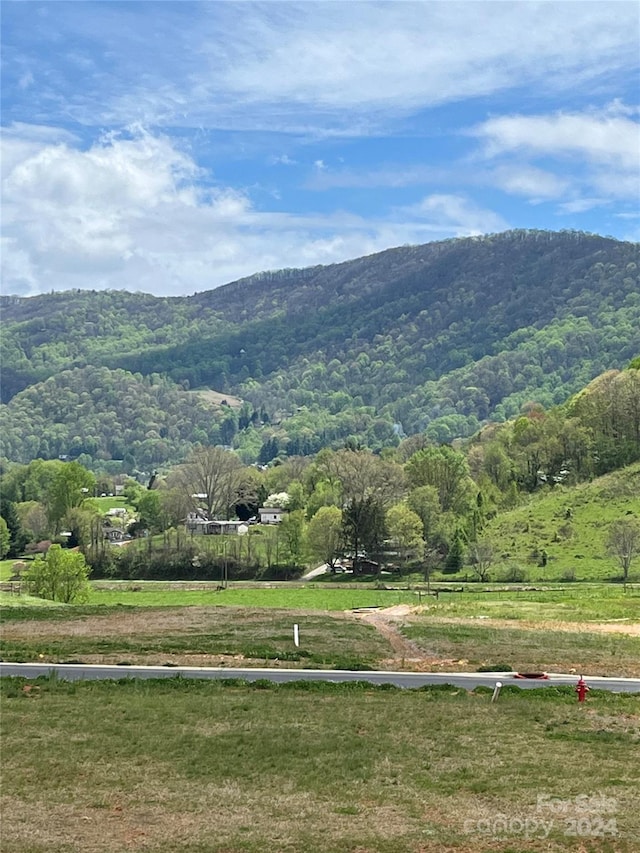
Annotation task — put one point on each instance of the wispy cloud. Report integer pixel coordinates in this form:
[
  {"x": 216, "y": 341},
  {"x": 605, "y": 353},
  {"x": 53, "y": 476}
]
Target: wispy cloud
[
  {"x": 335, "y": 67},
  {"x": 535, "y": 184},
  {"x": 456, "y": 213},
  {"x": 390, "y": 175}
]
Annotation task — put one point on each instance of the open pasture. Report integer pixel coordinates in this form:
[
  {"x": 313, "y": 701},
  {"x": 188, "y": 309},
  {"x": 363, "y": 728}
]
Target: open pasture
[
  {"x": 182, "y": 766},
  {"x": 590, "y": 630},
  {"x": 192, "y": 636}
]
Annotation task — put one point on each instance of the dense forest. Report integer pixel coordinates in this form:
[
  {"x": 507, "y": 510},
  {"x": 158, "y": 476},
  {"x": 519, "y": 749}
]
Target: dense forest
[{"x": 435, "y": 340}]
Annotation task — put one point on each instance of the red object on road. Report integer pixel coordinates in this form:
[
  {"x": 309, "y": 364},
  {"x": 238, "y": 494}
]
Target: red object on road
[
  {"x": 582, "y": 689},
  {"x": 531, "y": 675}
]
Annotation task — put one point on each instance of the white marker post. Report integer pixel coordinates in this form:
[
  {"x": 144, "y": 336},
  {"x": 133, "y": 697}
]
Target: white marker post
[
  {"x": 296, "y": 636},
  {"x": 496, "y": 691}
]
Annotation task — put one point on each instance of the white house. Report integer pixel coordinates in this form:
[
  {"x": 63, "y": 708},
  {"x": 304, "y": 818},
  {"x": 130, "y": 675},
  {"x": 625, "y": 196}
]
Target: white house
[
  {"x": 271, "y": 514},
  {"x": 213, "y": 527}
]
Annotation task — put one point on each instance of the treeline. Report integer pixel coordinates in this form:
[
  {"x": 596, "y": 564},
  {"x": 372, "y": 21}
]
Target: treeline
[{"x": 419, "y": 505}]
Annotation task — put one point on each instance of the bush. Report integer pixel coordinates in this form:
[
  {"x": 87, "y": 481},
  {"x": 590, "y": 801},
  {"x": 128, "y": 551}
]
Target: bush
[{"x": 513, "y": 574}]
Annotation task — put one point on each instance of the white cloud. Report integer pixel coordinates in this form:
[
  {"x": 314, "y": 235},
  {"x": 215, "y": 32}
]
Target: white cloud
[
  {"x": 580, "y": 205},
  {"x": 456, "y": 213},
  {"x": 133, "y": 213},
  {"x": 321, "y": 66},
  {"x": 282, "y": 160},
  {"x": 599, "y": 138},
  {"x": 590, "y": 157},
  {"x": 535, "y": 184}
]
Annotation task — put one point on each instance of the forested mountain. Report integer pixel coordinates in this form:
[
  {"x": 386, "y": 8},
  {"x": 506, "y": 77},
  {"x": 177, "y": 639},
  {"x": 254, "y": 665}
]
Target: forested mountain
[
  {"x": 436, "y": 338},
  {"x": 98, "y": 415}
]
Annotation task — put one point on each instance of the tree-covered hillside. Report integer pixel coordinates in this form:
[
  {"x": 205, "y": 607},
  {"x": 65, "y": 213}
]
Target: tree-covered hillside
[
  {"x": 436, "y": 338},
  {"x": 109, "y": 419}
]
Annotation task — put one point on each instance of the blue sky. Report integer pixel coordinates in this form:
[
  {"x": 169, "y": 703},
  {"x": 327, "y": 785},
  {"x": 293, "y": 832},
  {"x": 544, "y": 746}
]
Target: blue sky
[{"x": 171, "y": 147}]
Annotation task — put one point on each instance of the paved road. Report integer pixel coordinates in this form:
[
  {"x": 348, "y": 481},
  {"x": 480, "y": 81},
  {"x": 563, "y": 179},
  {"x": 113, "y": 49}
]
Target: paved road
[{"x": 467, "y": 680}]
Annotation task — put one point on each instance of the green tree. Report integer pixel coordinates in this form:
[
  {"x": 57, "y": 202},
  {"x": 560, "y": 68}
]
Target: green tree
[
  {"x": 368, "y": 485},
  {"x": 292, "y": 531},
  {"x": 447, "y": 470},
  {"x": 59, "y": 576},
  {"x": 404, "y": 528},
  {"x": 68, "y": 489},
  {"x": 455, "y": 558},
  {"x": 17, "y": 536},
  {"x": 151, "y": 514},
  {"x": 324, "y": 535},
  {"x": 79, "y": 521},
  {"x": 364, "y": 529},
  {"x": 324, "y": 494},
  {"x": 424, "y": 501},
  {"x": 5, "y": 539}
]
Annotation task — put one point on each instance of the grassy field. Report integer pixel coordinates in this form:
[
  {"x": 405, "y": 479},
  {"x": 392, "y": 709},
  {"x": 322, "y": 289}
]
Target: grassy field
[
  {"x": 595, "y": 631},
  {"x": 573, "y": 602},
  {"x": 501, "y": 647},
  {"x": 157, "y": 594},
  {"x": 557, "y": 603},
  {"x": 189, "y": 767},
  {"x": 193, "y": 636}
]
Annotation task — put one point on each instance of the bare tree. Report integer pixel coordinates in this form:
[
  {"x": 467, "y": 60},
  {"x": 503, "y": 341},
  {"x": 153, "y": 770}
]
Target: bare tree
[
  {"x": 623, "y": 543},
  {"x": 481, "y": 554},
  {"x": 211, "y": 477},
  {"x": 361, "y": 475}
]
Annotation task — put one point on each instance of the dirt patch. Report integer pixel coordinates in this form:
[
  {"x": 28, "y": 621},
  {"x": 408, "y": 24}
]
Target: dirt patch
[
  {"x": 385, "y": 621},
  {"x": 187, "y": 659},
  {"x": 619, "y": 627},
  {"x": 218, "y": 397},
  {"x": 144, "y": 621}
]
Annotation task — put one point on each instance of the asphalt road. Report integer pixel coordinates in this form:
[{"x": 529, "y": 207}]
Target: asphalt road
[{"x": 467, "y": 680}]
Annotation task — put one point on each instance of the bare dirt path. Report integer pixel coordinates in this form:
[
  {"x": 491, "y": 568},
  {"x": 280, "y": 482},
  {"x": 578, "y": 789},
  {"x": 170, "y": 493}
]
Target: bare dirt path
[
  {"x": 409, "y": 656},
  {"x": 386, "y": 622}
]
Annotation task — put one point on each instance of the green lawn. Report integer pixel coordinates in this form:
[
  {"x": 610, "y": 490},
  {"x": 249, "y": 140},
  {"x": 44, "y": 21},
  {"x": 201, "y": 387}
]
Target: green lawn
[
  {"x": 105, "y": 504},
  {"x": 298, "y": 598},
  {"x": 6, "y": 569},
  {"x": 188, "y": 767}
]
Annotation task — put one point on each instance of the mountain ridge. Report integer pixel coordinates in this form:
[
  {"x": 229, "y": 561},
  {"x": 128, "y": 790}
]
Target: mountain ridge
[{"x": 439, "y": 337}]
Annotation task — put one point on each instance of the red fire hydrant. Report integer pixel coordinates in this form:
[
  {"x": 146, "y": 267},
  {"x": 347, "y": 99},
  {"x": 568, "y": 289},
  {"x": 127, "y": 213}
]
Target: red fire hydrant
[{"x": 581, "y": 689}]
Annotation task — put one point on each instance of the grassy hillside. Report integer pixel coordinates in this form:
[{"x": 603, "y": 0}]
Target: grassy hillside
[{"x": 571, "y": 525}]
